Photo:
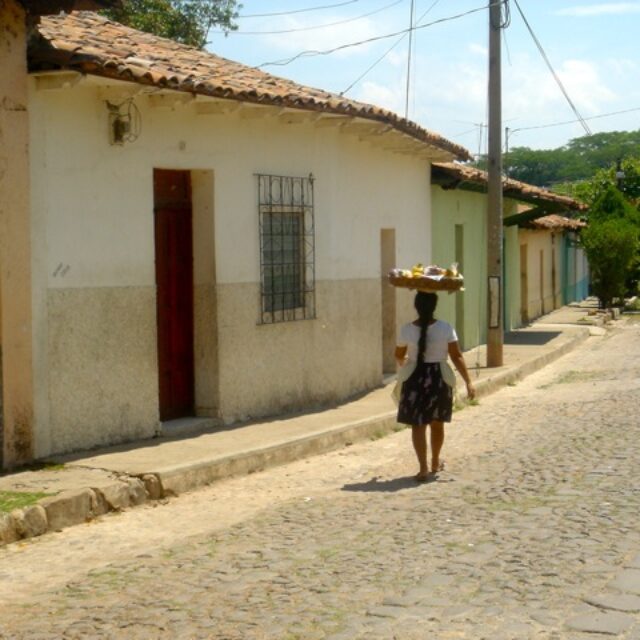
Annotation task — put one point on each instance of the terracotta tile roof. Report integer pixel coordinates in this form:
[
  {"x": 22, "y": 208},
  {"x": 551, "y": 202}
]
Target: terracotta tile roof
[
  {"x": 555, "y": 222},
  {"x": 91, "y": 44},
  {"x": 451, "y": 174}
]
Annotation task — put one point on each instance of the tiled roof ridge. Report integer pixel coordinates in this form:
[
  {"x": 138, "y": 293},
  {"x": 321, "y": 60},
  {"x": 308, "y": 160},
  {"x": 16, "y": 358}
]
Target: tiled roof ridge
[
  {"x": 473, "y": 174},
  {"x": 92, "y": 44},
  {"x": 556, "y": 221}
]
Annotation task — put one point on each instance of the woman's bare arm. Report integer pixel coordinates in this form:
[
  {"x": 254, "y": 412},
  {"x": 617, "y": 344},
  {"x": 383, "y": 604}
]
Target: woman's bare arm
[
  {"x": 458, "y": 360},
  {"x": 401, "y": 355}
]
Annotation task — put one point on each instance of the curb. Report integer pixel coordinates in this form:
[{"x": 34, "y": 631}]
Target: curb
[
  {"x": 71, "y": 507},
  {"x": 76, "y": 506},
  {"x": 500, "y": 380}
]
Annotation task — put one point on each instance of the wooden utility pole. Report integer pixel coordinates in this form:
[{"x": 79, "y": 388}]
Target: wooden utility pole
[
  {"x": 495, "y": 286},
  {"x": 411, "y": 19}
]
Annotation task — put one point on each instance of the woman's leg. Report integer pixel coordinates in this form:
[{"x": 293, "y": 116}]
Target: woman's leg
[
  {"x": 437, "y": 440},
  {"x": 419, "y": 439}
]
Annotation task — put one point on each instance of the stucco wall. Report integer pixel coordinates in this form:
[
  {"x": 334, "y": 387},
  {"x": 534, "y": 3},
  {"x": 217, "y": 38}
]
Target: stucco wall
[
  {"x": 15, "y": 254},
  {"x": 93, "y": 203},
  {"x": 512, "y": 319},
  {"x": 542, "y": 297},
  {"x": 468, "y": 209}
]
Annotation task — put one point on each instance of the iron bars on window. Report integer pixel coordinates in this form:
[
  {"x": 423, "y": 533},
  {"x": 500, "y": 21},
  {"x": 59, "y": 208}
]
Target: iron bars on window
[{"x": 287, "y": 248}]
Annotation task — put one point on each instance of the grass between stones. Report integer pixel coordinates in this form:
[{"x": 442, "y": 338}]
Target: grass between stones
[
  {"x": 10, "y": 500},
  {"x": 571, "y": 377}
]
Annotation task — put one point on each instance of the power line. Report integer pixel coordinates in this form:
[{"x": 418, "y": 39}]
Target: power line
[
  {"x": 313, "y": 53},
  {"x": 313, "y": 27},
  {"x": 559, "y": 124},
  {"x": 386, "y": 53},
  {"x": 581, "y": 120},
  {"x": 287, "y": 13}
]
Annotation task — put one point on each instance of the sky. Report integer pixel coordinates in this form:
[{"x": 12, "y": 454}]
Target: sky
[{"x": 592, "y": 46}]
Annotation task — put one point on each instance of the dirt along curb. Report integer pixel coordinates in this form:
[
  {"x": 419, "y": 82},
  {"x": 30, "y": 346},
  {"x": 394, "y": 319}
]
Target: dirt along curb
[
  {"x": 65, "y": 505},
  {"x": 73, "y": 495}
]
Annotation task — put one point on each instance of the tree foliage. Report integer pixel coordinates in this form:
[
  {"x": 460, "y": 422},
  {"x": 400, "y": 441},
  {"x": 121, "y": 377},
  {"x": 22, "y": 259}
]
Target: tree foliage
[
  {"x": 610, "y": 242},
  {"x": 611, "y": 247},
  {"x": 588, "y": 191},
  {"x": 578, "y": 160},
  {"x": 185, "y": 21}
]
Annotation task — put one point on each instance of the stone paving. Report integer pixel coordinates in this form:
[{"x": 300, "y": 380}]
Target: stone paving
[{"x": 530, "y": 532}]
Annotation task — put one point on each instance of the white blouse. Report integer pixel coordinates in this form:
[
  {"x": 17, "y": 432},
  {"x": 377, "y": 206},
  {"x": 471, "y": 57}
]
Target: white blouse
[{"x": 439, "y": 335}]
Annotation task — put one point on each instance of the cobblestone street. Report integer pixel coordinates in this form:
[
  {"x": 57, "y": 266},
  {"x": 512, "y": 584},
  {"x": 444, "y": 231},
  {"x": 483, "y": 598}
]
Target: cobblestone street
[{"x": 530, "y": 532}]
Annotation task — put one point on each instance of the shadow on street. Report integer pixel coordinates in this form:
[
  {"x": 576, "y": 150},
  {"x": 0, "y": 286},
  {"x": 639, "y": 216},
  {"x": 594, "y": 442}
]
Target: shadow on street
[{"x": 386, "y": 486}]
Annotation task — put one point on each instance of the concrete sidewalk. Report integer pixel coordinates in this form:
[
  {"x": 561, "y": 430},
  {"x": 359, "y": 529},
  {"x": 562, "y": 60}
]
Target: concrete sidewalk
[{"x": 77, "y": 488}]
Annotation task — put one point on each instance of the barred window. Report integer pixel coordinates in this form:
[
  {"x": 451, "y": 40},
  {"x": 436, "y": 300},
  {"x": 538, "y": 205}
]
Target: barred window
[{"x": 287, "y": 260}]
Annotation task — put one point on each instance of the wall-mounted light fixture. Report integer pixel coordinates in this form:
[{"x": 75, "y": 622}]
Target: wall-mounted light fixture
[{"x": 125, "y": 122}]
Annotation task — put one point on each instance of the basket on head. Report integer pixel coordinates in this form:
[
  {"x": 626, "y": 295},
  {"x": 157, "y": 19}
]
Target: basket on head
[{"x": 426, "y": 284}]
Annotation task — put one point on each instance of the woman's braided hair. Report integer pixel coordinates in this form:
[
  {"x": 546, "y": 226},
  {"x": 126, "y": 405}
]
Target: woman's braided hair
[{"x": 425, "y": 304}]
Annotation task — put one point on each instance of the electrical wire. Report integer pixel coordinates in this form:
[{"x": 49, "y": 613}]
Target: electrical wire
[
  {"x": 581, "y": 120},
  {"x": 314, "y": 53},
  {"x": 313, "y": 27},
  {"x": 559, "y": 124},
  {"x": 386, "y": 53},
  {"x": 287, "y": 13}
]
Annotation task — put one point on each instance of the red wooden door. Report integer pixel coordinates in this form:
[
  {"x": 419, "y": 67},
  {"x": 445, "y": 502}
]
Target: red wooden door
[{"x": 174, "y": 283}]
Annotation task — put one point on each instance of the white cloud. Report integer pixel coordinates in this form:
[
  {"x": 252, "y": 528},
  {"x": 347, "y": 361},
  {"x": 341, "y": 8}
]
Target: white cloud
[
  {"x": 389, "y": 97},
  {"x": 452, "y": 98},
  {"x": 321, "y": 39},
  {"x": 615, "y": 8},
  {"x": 531, "y": 90},
  {"x": 478, "y": 49}
]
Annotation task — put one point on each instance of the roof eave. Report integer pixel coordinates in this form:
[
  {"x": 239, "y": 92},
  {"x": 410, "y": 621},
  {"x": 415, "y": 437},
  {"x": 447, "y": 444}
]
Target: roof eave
[
  {"x": 476, "y": 180},
  {"x": 43, "y": 55}
]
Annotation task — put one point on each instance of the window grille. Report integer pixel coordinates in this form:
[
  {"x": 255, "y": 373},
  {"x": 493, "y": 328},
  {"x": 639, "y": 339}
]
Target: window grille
[{"x": 287, "y": 248}]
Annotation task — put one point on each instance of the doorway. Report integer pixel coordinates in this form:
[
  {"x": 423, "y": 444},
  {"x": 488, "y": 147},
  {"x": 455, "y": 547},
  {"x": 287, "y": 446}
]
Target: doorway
[
  {"x": 459, "y": 258},
  {"x": 524, "y": 285},
  {"x": 174, "y": 291},
  {"x": 388, "y": 296}
]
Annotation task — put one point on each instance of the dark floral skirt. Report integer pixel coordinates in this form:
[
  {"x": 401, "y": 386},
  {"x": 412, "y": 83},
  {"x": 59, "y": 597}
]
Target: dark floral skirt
[{"x": 425, "y": 396}]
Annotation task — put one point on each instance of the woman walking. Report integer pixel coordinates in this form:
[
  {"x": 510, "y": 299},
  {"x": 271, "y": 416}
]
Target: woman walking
[{"x": 426, "y": 399}]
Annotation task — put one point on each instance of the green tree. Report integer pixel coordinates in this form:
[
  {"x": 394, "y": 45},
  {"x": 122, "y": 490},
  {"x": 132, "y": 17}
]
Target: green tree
[
  {"x": 578, "y": 160},
  {"x": 611, "y": 240},
  {"x": 611, "y": 247},
  {"x": 186, "y": 21}
]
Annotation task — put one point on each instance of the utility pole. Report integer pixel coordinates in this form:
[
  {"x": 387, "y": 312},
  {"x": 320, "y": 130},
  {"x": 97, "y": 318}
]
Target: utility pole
[
  {"x": 411, "y": 19},
  {"x": 495, "y": 286}
]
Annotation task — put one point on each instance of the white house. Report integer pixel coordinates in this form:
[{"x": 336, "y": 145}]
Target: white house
[{"x": 207, "y": 239}]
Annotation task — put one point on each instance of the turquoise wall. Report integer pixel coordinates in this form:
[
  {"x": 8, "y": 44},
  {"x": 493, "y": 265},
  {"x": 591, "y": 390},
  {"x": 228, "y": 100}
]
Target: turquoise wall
[{"x": 575, "y": 277}]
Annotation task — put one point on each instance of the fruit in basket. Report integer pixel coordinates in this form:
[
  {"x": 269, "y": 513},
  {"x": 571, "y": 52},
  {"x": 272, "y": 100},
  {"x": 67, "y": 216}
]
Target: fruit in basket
[
  {"x": 417, "y": 271},
  {"x": 452, "y": 271}
]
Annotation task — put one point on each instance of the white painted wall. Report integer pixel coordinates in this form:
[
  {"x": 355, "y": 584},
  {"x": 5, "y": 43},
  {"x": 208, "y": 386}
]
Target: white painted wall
[
  {"x": 100, "y": 197},
  {"x": 93, "y": 229}
]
